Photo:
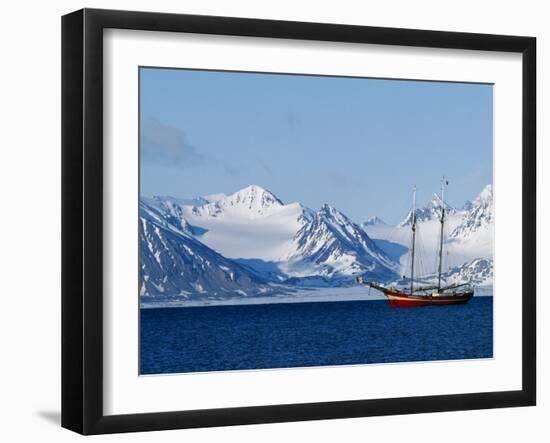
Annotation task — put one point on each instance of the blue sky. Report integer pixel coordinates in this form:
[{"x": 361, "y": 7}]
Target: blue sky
[{"x": 358, "y": 144}]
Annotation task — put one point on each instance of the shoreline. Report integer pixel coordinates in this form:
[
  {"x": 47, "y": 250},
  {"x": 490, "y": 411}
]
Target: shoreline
[{"x": 321, "y": 296}]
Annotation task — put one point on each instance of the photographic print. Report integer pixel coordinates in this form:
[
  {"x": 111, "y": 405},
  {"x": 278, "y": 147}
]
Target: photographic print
[{"x": 290, "y": 220}]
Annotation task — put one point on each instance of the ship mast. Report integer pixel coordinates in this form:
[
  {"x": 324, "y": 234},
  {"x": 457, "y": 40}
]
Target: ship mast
[
  {"x": 413, "y": 225},
  {"x": 442, "y": 221}
]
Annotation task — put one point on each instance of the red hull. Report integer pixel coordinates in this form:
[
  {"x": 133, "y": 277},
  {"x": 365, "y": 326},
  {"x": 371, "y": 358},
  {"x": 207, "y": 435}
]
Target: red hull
[{"x": 404, "y": 300}]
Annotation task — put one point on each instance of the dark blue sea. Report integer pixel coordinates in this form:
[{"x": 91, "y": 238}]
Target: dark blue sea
[{"x": 219, "y": 338}]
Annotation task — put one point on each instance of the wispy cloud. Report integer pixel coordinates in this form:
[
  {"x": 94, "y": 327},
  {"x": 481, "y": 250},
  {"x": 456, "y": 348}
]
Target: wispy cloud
[{"x": 167, "y": 145}]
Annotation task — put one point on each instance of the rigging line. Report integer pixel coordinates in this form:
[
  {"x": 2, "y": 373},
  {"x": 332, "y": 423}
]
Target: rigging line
[
  {"x": 418, "y": 247},
  {"x": 405, "y": 269},
  {"x": 423, "y": 253},
  {"x": 397, "y": 229},
  {"x": 446, "y": 256}
]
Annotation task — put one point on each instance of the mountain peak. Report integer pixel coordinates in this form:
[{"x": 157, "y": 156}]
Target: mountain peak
[
  {"x": 479, "y": 217},
  {"x": 467, "y": 206},
  {"x": 430, "y": 211},
  {"x": 172, "y": 202},
  {"x": 256, "y": 191},
  {"x": 325, "y": 207},
  {"x": 485, "y": 195},
  {"x": 255, "y": 188},
  {"x": 330, "y": 212},
  {"x": 330, "y": 244},
  {"x": 254, "y": 195},
  {"x": 373, "y": 220},
  {"x": 250, "y": 202}
]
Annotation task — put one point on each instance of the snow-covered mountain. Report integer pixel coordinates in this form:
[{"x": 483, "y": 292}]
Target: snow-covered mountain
[
  {"x": 468, "y": 234},
  {"x": 276, "y": 241},
  {"x": 478, "y": 272},
  {"x": 167, "y": 201},
  {"x": 332, "y": 246},
  {"x": 467, "y": 205},
  {"x": 478, "y": 218},
  {"x": 166, "y": 212},
  {"x": 249, "y": 224},
  {"x": 431, "y": 211},
  {"x": 474, "y": 234},
  {"x": 290, "y": 240},
  {"x": 373, "y": 221},
  {"x": 174, "y": 264},
  {"x": 250, "y": 202},
  {"x": 250, "y": 243}
]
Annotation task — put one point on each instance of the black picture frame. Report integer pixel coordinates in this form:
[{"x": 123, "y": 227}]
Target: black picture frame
[{"x": 82, "y": 215}]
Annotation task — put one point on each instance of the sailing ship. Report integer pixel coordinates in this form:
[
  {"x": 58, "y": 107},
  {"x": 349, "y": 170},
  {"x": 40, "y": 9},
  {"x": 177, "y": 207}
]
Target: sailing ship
[{"x": 435, "y": 295}]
